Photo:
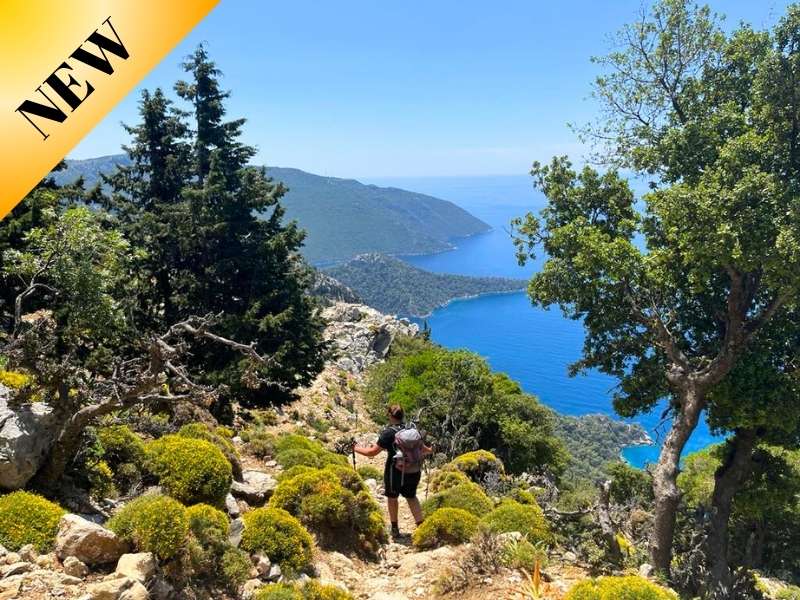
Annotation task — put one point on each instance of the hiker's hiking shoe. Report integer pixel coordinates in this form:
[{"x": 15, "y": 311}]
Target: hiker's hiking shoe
[{"x": 396, "y": 535}]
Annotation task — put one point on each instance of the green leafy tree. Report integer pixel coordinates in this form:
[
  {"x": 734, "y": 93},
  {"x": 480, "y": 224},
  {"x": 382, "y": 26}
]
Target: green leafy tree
[{"x": 670, "y": 297}]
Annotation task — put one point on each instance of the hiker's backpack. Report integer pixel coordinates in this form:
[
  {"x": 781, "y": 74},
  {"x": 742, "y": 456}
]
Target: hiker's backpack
[{"x": 408, "y": 449}]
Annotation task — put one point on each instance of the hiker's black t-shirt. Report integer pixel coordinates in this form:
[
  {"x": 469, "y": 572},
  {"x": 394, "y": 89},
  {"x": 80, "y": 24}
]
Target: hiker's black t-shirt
[{"x": 386, "y": 441}]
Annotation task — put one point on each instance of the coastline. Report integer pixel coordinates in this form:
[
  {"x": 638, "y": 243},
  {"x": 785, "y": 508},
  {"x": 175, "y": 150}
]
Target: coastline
[{"x": 462, "y": 299}]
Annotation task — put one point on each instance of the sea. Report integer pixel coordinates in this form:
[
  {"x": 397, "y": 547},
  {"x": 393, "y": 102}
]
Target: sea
[{"x": 532, "y": 345}]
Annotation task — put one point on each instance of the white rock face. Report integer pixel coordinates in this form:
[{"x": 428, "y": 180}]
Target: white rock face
[
  {"x": 140, "y": 566},
  {"x": 88, "y": 542},
  {"x": 255, "y": 488},
  {"x": 362, "y": 335},
  {"x": 75, "y": 568},
  {"x": 26, "y": 435}
]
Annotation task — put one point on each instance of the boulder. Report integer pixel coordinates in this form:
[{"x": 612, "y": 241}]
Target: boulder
[
  {"x": 255, "y": 488},
  {"x": 15, "y": 569},
  {"x": 263, "y": 565},
  {"x": 122, "y": 588},
  {"x": 249, "y": 588},
  {"x": 27, "y": 433},
  {"x": 75, "y": 568},
  {"x": 232, "y": 507},
  {"x": 88, "y": 542},
  {"x": 235, "y": 532},
  {"x": 274, "y": 573},
  {"x": 140, "y": 566},
  {"x": 28, "y": 553}
]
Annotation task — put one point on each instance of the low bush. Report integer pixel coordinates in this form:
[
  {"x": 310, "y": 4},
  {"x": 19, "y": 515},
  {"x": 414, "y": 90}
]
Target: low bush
[
  {"x": 235, "y": 567},
  {"x": 789, "y": 593},
  {"x": 523, "y": 496},
  {"x": 27, "y": 518},
  {"x": 320, "y": 500},
  {"x": 527, "y": 519},
  {"x": 467, "y": 496},
  {"x": 294, "y": 471},
  {"x": 219, "y": 436},
  {"x": 619, "y": 588},
  {"x": 293, "y": 449},
  {"x": 190, "y": 470},
  {"x": 203, "y": 517},
  {"x": 124, "y": 451},
  {"x": 101, "y": 480},
  {"x": 370, "y": 472},
  {"x": 152, "y": 523},
  {"x": 446, "y": 526},
  {"x": 442, "y": 480},
  {"x": 311, "y": 590},
  {"x": 349, "y": 478},
  {"x": 522, "y": 554},
  {"x": 279, "y": 535},
  {"x": 477, "y": 465}
]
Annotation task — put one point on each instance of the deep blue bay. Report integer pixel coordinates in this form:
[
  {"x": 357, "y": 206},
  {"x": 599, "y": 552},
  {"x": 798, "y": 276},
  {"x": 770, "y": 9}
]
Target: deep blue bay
[{"x": 531, "y": 345}]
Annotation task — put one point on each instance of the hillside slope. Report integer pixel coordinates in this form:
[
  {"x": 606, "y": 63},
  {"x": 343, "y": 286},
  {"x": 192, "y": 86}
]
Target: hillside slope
[
  {"x": 343, "y": 217},
  {"x": 394, "y": 286}
]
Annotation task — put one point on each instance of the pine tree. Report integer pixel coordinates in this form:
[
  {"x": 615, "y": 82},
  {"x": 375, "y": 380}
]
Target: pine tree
[
  {"x": 148, "y": 200},
  {"x": 242, "y": 259}
]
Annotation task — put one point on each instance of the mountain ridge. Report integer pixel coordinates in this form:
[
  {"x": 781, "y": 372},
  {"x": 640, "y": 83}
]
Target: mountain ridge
[{"x": 367, "y": 217}]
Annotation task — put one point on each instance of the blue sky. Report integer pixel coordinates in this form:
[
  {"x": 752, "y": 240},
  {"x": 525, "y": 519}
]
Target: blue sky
[{"x": 361, "y": 88}]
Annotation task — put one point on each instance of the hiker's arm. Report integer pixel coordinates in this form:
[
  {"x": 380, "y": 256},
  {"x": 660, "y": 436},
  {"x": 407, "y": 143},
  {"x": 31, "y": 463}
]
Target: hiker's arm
[
  {"x": 427, "y": 450},
  {"x": 369, "y": 451}
]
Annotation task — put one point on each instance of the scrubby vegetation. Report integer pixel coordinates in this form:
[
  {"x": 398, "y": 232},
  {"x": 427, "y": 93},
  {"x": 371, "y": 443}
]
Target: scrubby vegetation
[
  {"x": 463, "y": 406},
  {"x": 152, "y": 523},
  {"x": 446, "y": 526},
  {"x": 27, "y": 518},
  {"x": 334, "y": 504},
  {"x": 467, "y": 496},
  {"x": 527, "y": 519},
  {"x": 619, "y": 588},
  {"x": 280, "y": 536},
  {"x": 311, "y": 590},
  {"x": 296, "y": 450},
  {"x": 191, "y": 470}
]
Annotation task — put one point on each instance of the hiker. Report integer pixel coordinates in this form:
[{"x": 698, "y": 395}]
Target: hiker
[{"x": 405, "y": 451}]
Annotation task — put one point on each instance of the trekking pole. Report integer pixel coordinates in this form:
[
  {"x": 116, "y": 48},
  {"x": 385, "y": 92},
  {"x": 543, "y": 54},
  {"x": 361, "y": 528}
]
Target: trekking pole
[{"x": 353, "y": 452}]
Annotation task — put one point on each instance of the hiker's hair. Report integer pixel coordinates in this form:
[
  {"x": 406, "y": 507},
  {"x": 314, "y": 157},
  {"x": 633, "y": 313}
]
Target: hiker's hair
[{"x": 396, "y": 412}]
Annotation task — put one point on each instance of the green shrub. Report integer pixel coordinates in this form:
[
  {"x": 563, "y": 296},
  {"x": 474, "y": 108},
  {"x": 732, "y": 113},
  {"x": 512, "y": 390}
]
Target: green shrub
[
  {"x": 120, "y": 445},
  {"x": 293, "y": 449},
  {"x": 467, "y": 496},
  {"x": 370, "y": 472},
  {"x": 619, "y": 588},
  {"x": 278, "y": 591},
  {"x": 101, "y": 479},
  {"x": 349, "y": 478},
  {"x": 153, "y": 523},
  {"x": 523, "y": 496},
  {"x": 311, "y": 590},
  {"x": 522, "y": 554},
  {"x": 320, "y": 500},
  {"x": 190, "y": 470},
  {"x": 476, "y": 465},
  {"x": 27, "y": 518},
  {"x": 446, "y": 526},
  {"x": 789, "y": 593},
  {"x": 279, "y": 535},
  {"x": 294, "y": 471},
  {"x": 219, "y": 436},
  {"x": 235, "y": 567},
  {"x": 203, "y": 517},
  {"x": 442, "y": 480},
  {"x": 528, "y": 519}
]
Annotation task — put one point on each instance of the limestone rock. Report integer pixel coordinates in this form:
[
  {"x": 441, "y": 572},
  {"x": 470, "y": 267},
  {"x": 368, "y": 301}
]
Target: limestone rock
[
  {"x": 274, "y": 573},
  {"x": 362, "y": 335},
  {"x": 28, "y": 553},
  {"x": 140, "y": 566},
  {"x": 87, "y": 541},
  {"x": 646, "y": 570},
  {"x": 122, "y": 588},
  {"x": 255, "y": 488},
  {"x": 249, "y": 588},
  {"x": 263, "y": 564},
  {"x": 75, "y": 567},
  {"x": 232, "y": 507},
  {"x": 235, "y": 532},
  {"x": 15, "y": 569},
  {"x": 26, "y": 436}
]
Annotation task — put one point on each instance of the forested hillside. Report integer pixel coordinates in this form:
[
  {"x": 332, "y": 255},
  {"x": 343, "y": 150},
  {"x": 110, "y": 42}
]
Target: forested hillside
[
  {"x": 342, "y": 217},
  {"x": 394, "y": 286}
]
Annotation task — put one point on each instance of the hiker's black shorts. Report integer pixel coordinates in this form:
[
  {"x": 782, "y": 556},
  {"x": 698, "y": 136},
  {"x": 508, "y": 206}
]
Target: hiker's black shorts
[{"x": 396, "y": 484}]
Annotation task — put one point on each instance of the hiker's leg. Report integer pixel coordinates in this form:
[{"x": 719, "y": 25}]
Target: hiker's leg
[
  {"x": 415, "y": 508},
  {"x": 391, "y": 504}
]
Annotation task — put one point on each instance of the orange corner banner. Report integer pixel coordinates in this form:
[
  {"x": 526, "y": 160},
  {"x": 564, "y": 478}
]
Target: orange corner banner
[{"x": 65, "y": 65}]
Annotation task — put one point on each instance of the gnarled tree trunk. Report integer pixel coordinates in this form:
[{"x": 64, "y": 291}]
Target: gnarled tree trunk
[
  {"x": 727, "y": 481},
  {"x": 665, "y": 486}
]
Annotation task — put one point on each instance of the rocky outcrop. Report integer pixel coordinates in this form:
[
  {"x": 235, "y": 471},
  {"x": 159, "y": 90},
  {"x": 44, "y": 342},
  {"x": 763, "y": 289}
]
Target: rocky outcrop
[
  {"x": 140, "y": 566},
  {"x": 361, "y": 335},
  {"x": 88, "y": 542},
  {"x": 331, "y": 290},
  {"x": 27, "y": 432},
  {"x": 255, "y": 488}
]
